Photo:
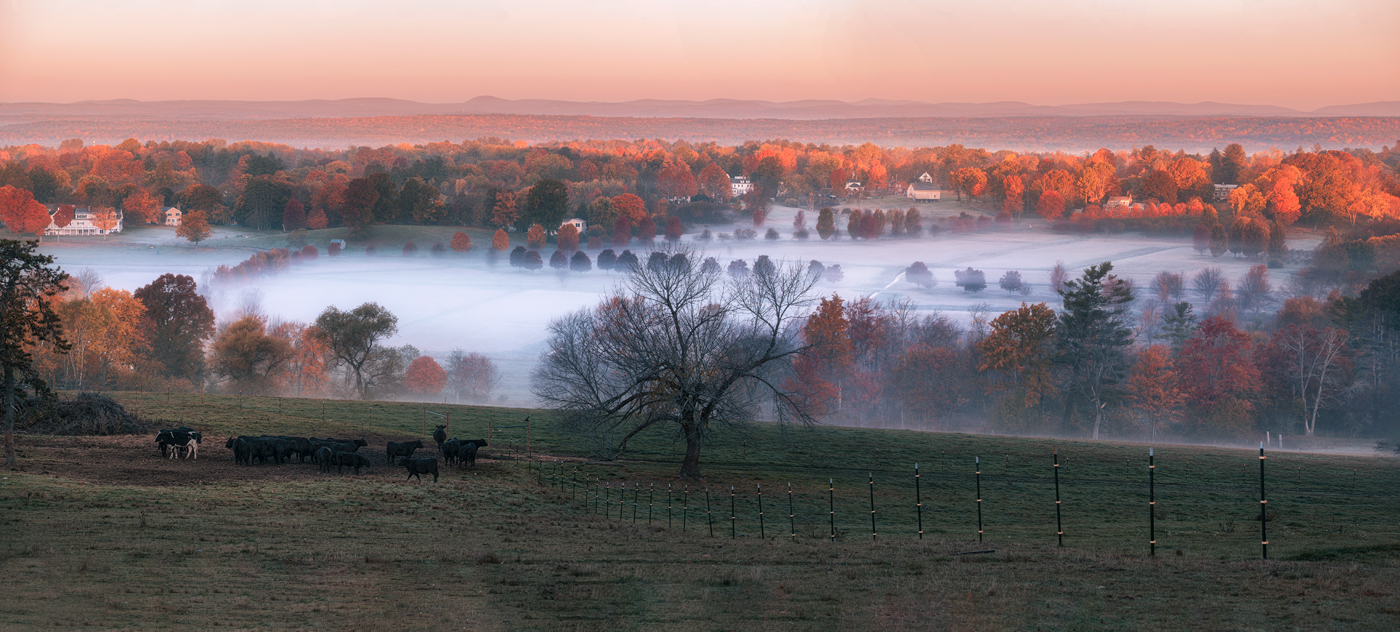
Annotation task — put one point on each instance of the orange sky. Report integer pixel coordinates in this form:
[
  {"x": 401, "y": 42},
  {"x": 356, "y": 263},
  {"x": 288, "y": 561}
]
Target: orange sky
[{"x": 1295, "y": 53}]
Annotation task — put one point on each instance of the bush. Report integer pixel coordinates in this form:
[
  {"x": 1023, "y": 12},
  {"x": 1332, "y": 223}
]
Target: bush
[
  {"x": 801, "y": 234},
  {"x": 371, "y": 250},
  {"x": 334, "y": 249},
  {"x": 745, "y": 234},
  {"x": 1011, "y": 282},
  {"x": 771, "y": 235},
  {"x": 704, "y": 235},
  {"x": 1275, "y": 263},
  {"x": 410, "y": 249},
  {"x": 438, "y": 249}
]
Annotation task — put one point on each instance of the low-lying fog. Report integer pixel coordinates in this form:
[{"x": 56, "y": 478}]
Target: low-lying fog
[{"x": 458, "y": 302}]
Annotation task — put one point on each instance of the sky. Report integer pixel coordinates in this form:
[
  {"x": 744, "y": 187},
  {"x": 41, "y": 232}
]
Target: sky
[{"x": 1302, "y": 54}]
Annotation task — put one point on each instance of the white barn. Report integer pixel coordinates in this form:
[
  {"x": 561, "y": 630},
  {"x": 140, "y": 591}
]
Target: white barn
[{"x": 84, "y": 223}]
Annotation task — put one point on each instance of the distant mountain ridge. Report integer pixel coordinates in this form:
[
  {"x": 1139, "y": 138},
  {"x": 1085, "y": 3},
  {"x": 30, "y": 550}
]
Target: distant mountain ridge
[{"x": 214, "y": 110}]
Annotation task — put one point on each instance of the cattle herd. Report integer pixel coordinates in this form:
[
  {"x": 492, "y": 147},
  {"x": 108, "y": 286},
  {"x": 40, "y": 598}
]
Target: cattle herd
[{"x": 326, "y": 453}]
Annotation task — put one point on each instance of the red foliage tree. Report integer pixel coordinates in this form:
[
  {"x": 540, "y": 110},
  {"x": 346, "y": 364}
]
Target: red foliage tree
[
  {"x": 293, "y": 216},
  {"x": 500, "y": 242},
  {"x": 622, "y": 232},
  {"x": 316, "y": 219},
  {"x": 567, "y": 238},
  {"x": 674, "y": 228},
  {"x": 309, "y": 252},
  {"x": 630, "y": 206},
  {"x": 1217, "y": 378},
  {"x": 425, "y": 376},
  {"x": 646, "y": 230},
  {"x": 534, "y": 238}
]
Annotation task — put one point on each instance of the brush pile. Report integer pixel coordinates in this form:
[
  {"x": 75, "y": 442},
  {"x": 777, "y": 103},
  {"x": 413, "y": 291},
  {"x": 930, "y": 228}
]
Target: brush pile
[{"x": 84, "y": 414}]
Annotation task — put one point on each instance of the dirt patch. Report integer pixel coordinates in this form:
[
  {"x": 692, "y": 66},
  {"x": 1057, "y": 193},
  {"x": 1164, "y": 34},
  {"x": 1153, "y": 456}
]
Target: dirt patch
[{"x": 136, "y": 460}]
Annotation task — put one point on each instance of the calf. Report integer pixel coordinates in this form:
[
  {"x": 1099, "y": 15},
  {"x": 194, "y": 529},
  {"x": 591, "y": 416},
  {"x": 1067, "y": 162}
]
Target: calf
[
  {"x": 440, "y": 436},
  {"x": 190, "y": 450},
  {"x": 350, "y": 459},
  {"x": 420, "y": 466},
  {"x": 323, "y": 458},
  {"x": 401, "y": 449},
  {"x": 176, "y": 436}
]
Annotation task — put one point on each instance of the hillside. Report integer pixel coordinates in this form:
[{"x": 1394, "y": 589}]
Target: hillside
[{"x": 542, "y": 539}]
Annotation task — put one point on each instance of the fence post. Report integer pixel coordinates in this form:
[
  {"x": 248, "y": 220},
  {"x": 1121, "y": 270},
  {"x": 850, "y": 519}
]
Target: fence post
[
  {"x": 831, "y": 506},
  {"x": 918, "y": 501},
  {"x": 792, "y": 516},
  {"x": 1151, "y": 502},
  {"x": 708, "y": 516},
  {"x": 607, "y": 499},
  {"x": 978, "y": 462},
  {"x": 1059, "y": 527},
  {"x": 762, "y": 535},
  {"x": 668, "y": 506},
  {"x": 685, "y": 508},
  {"x": 1263, "y": 507},
  {"x": 651, "y": 494},
  {"x": 636, "y": 491},
  {"x": 872, "y": 508}
]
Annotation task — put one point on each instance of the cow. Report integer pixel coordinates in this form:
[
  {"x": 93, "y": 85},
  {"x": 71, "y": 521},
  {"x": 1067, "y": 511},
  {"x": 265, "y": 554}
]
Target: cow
[
  {"x": 176, "y": 436},
  {"x": 420, "y": 466},
  {"x": 241, "y": 450},
  {"x": 301, "y": 447},
  {"x": 190, "y": 450},
  {"x": 467, "y": 454},
  {"x": 323, "y": 458},
  {"x": 440, "y": 436},
  {"x": 400, "y": 449},
  {"x": 262, "y": 448},
  {"x": 350, "y": 459},
  {"x": 359, "y": 443},
  {"x": 449, "y": 450}
]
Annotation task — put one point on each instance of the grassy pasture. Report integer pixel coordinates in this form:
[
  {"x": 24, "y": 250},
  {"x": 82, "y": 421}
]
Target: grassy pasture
[{"x": 100, "y": 532}]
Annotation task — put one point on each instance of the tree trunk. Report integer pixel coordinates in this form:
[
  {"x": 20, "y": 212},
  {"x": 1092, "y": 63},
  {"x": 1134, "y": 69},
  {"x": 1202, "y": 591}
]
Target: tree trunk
[
  {"x": 1098, "y": 418},
  {"x": 9, "y": 416},
  {"x": 690, "y": 466}
]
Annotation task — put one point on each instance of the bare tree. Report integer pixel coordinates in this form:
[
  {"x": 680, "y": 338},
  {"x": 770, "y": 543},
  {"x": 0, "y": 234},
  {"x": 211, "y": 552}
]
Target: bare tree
[
  {"x": 472, "y": 375},
  {"x": 1312, "y": 359},
  {"x": 1206, "y": 283},
  {"x": 1167, "y": 287},
  {"x": 678, "y": 345},
  {"x": 1058, "y": 275}
]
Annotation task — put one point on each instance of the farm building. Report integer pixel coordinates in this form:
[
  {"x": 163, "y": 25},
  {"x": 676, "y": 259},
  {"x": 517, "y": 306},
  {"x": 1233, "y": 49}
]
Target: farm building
[
  {"x": 577, "y": 223},
  {"x": 923, "y": 191},
  {"x": 172, "y": 216},
  {"x": 740, "y": 185}
]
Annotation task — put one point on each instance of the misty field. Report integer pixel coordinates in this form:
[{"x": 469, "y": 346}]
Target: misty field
[
  {"x": 462, "y": 302},
  {"x": 101, "y": 532}
]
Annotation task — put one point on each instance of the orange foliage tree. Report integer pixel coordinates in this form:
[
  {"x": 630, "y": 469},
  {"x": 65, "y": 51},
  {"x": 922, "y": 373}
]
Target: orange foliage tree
[
  {"x": 819, "y": 369},
  {"x": 1021, "y": 350},
  {"x": 1153, "y": 394},
  {"x": 425, "y": 376},
  {"x": 194, "y": 226},
  {"x": 461, "y": 242},
  {"x": 141, "y": 205},
  {"x": 1051, "y": 205},
  {"x": 535, "y": 237},
  {"x": 631, "y": 207},
  {"x": 500, "y": 241}
]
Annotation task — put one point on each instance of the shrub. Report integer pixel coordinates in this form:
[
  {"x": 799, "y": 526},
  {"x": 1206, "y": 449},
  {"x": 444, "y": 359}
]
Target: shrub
[
  {"x": 1011, "y": 281},
  {"x": 438, "y": 249},
  {"x": 704, "y": 235},
  {"x": 771, "y": 235},
  {"x": 334, "y": 249},
  {"x": 745, "y": 234},
  {"x": 410, "y": 249},
  {"x": 309, "y": 252}
]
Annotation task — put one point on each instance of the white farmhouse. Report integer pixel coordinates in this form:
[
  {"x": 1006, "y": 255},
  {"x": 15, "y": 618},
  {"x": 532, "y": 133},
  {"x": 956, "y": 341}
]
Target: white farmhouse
[
  {"x": 923, "y": 191},
  {"x": 84, "y": 223},
  {"x": 740, "y": 185},
  {"x": 578, "y": 224},
  {"x": 172, "y": 216}
]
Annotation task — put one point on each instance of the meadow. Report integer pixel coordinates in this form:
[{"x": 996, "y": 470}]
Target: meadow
[{"x": 103, "y": 533}]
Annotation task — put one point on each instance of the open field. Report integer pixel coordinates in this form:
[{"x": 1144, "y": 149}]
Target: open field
[{"x": 103, "y": 533}]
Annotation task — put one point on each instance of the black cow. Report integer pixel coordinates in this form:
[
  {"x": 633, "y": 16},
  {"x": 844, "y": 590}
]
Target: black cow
[
  {"x": 467, "y": 454},
  {"x": 301, "y": 447},
  {"x": 359, "y": 443},
  {"x": 262, "y": 449},
  {"x": 350, "y": 459},
  {"x": 440, "y": 436},
  {"x": 176, "y": 437},
  {"x": 241, "y": 450},
  {"x": 420, "y": 466},
  {"x": 323, "y": 458},
  {"x": 449, "y": 450},
  {"x": 400, "y": 449}
]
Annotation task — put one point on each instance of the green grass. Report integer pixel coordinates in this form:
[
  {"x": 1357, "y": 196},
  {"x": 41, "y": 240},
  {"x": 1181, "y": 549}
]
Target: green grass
[{"x": 495, "y": 548}]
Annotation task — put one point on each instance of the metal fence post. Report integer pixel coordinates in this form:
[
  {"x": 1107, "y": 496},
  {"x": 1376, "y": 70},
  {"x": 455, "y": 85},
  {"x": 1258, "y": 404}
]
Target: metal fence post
[
  {"x": 1151, "y": 503},
  {"x": 762, "y": 535},
  {"x": 792, "y": 516},
  {"x": 918, "y": 501},
  {"x": 732, "y": 525},
  {"x": 708, "y": 516},
  {"x": 872, "y": 508},
  {"x": 831, "y": 506},
  {"x": 1059, "y": 528},
  {"x": 1263, "y": 507},
  {"x": 978, "y": 462}
]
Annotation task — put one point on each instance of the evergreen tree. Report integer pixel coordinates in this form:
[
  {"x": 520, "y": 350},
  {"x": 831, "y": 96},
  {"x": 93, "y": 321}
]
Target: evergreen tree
[{"x": 1093, "y": 332}]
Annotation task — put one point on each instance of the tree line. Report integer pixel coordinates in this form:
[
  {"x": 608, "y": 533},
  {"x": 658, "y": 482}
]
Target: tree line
[{"x": 494, "y": 183}]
